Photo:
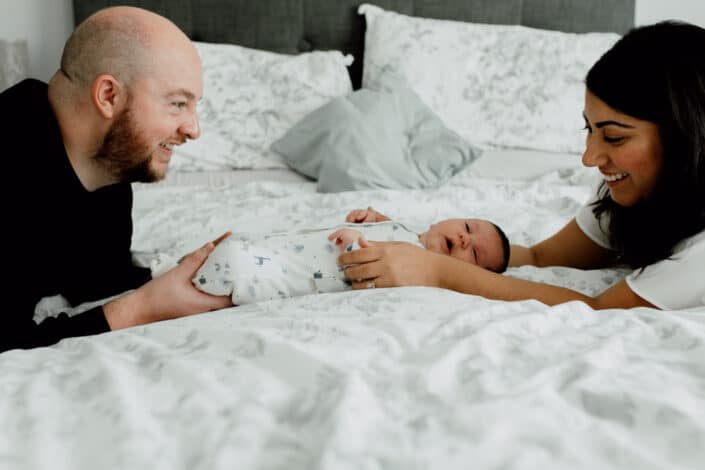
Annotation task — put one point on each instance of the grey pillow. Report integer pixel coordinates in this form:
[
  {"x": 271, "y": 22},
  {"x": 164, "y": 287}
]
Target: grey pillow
[{"x": 382, "y": 136}]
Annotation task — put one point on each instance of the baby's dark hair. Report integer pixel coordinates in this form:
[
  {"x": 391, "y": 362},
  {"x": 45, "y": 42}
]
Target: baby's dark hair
[{"x": 506, "y": 250}]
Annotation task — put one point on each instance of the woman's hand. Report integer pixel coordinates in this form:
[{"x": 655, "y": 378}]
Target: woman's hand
[
  {"x": 392, "y": 264},
  {"x": 170, "y": 295}
]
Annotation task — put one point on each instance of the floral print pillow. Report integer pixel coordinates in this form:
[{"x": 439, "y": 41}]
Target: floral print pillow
[
  {"x": 498, "y": 86},
  {"x": 251, "y": 97}
]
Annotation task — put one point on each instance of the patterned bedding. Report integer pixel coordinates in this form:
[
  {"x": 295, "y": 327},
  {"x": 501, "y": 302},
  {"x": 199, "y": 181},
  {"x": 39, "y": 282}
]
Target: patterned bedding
[{"x": 405, "y": 378}]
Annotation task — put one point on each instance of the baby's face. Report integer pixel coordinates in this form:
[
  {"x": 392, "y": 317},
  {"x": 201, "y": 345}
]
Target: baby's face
[{"x": 475, "y": 241}]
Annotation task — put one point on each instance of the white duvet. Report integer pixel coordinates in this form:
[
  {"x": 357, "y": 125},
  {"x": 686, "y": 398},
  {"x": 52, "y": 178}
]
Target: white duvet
[{"x": 406, "y": 378}]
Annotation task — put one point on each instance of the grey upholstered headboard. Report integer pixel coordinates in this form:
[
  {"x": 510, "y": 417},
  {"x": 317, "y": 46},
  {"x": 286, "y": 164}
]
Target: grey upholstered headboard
[{"x": 292, "y": 26}]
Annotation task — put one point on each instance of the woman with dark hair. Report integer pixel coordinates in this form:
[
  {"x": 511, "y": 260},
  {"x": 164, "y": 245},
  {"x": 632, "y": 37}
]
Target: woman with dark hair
[{"x": 645, "y": 121}]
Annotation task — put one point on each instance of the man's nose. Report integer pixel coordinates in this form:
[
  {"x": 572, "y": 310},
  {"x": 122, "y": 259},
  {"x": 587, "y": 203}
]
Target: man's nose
[{"x": 191, "y": 127}]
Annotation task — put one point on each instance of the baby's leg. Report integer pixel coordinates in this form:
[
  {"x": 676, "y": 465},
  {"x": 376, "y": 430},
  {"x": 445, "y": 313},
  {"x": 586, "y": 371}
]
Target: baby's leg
[
  {"x": 215, "y": 276},
  {"x": 246, "y": 272}
]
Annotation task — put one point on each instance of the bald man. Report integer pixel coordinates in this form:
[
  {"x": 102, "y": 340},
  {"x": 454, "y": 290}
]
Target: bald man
[{"x": 124, "y": 96}]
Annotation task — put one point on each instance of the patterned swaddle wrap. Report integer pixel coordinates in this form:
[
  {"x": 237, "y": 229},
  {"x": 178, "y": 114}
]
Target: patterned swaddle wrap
[{"x": 257, "y": 267}]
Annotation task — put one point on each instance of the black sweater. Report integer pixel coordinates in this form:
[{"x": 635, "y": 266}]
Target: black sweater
[{"x": 59, "y": 237}]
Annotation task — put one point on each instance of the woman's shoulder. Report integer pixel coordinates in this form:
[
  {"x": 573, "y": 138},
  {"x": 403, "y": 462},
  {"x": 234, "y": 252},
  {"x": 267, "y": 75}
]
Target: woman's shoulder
[
  {"x": 696, "y": 243},
  {"x": 675, "y": 282},
  {"x": 595, "y": 229}
]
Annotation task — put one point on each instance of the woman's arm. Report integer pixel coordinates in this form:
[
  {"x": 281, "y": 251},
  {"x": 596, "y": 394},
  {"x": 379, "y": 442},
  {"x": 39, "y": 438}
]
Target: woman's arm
[
  {"x": 473, "y": 280},
  {"x": 392, "y": 264},
  {"x": 569, "y": 247}
]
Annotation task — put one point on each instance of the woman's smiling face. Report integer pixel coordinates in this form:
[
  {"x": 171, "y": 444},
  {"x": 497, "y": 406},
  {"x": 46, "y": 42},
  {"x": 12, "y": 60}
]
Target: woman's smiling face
[{"x": 627, "y": 151}]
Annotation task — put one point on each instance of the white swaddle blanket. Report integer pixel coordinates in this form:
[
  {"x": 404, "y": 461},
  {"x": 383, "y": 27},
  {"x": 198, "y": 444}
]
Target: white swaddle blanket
[{"x": 256, "y": 267}]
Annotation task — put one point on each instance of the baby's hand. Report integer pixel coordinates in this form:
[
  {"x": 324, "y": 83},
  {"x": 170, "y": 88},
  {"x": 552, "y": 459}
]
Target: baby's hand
[
  {"x": 346, "y": 237},
  {"x": 360, "y": 216}
]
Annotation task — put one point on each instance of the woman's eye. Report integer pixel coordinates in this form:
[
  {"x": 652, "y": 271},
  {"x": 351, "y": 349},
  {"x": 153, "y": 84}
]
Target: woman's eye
[
  {"x": 179, "y": 104},
  {"x": 467, "y": 227},
  {"x": 613, "y": 140},
  {"x": 587, "y": 128}
]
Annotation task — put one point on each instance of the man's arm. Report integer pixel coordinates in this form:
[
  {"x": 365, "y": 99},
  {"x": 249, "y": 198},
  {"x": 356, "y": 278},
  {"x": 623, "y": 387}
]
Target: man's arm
[
  {"x": 168, "y": 296},
  {"x": 171, "y": 295},
  {"x": 24, "y": 333}
]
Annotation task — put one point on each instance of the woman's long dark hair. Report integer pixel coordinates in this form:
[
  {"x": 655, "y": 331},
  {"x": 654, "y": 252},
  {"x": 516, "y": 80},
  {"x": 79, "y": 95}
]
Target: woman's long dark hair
[{"x": 656, "y": 73}]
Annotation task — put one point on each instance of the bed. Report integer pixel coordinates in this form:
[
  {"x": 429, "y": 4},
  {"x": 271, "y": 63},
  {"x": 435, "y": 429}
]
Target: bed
[{"x": 403, "y": 378}]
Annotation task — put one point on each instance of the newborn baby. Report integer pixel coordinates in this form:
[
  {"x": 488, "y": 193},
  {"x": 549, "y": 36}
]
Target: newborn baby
[{"x": 258, "y": 267}]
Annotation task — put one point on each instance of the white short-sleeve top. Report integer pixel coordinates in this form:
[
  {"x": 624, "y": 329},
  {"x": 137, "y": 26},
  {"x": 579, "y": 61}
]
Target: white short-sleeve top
[{"x": 670, "y": 284}]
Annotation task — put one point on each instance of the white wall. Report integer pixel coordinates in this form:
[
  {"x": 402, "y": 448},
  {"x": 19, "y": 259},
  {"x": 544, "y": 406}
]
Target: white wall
[
  {"x": 651, "y": 11},
  {"x": 47, "y": 23}
]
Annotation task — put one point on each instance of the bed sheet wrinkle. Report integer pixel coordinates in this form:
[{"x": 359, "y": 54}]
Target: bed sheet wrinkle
[
  {"x": 175, "y": 221},
  {"x": 379, "y": 378},
  {"x": 319, "y": 382},
  {"x": 173, "y": 218},
  {"x": 406, "y": 378}
]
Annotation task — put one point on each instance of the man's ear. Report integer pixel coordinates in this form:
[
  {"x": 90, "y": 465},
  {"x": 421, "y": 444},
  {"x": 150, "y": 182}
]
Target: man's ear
[{"x": 107, "y": 95}]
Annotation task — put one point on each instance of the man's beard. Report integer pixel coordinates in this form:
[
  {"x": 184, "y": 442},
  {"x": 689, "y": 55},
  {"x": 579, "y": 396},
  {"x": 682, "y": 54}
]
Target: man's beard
[{"x": 125, "y": 153}]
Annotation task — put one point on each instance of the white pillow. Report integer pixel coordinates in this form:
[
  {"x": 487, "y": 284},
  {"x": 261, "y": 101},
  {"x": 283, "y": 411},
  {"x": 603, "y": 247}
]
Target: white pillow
[
  {"x": 495, "y": 85},
  {"x": 251, "y": 97}
]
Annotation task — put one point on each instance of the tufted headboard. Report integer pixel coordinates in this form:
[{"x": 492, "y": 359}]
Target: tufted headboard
[{"x": 292, "y": 26}]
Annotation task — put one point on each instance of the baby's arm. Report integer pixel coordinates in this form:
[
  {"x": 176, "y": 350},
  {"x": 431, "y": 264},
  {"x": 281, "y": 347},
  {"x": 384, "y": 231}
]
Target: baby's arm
[
  {"x": 345, "y": 237},
  {"x": 359, "y": 216}
]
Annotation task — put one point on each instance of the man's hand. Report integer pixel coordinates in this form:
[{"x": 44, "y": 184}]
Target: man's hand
[
  {"x": 360, "y": 216},
  {"x": 170, "y": 295}
]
